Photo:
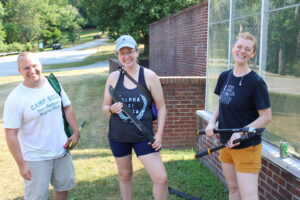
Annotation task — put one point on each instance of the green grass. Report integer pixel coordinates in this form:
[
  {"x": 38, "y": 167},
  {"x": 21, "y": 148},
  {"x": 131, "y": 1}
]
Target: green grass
[
  {"x": 96, "y": 172},
  {"x": 86, "y": 35}
]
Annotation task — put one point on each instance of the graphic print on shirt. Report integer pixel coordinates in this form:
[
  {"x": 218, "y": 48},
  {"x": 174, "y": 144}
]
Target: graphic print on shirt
[
  {"x": 131, "y": 103},
  {"x": 227, "y": 94},
  {"x": 46, "y": 105}
]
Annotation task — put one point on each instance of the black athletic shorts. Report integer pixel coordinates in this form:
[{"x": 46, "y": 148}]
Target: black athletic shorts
[{"x": 120, "y": 149}]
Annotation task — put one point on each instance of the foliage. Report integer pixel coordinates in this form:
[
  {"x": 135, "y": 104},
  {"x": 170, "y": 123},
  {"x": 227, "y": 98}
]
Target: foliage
[
  {"x": 73, "y": 33},
  {"x": 16, "y": 47},
  {"x": 13, "y": 32},
  {"x": 283, "y": 43},
  {"x": 85, "y": 36},
  {"x": 132, "y": 17},
  {"x": 53, "y": 34},
  {"x": 26, "y": 15},
  {"x": 2, "y": 32},
  {"x": 32, "y": 20}
]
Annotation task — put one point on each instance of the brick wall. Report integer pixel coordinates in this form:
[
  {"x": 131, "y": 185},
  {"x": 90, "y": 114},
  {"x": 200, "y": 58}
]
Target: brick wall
[
  {"x": 183, "y": 96},
  {"x": 274, "y": 182},
  {"x": 203, "y": 143},
  {"x": 178, "y": 43}
]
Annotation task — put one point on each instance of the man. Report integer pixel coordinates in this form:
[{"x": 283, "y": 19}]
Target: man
[{"x": 35, "y": 132}]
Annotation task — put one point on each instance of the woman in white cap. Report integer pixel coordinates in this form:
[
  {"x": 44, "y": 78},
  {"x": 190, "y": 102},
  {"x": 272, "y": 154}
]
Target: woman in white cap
[{"x": 123, "y": 134}]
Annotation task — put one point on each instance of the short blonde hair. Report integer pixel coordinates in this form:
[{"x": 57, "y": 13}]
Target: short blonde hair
[
  {"x": 27, "y": 54},
  {"x": 247, "y": 36}
]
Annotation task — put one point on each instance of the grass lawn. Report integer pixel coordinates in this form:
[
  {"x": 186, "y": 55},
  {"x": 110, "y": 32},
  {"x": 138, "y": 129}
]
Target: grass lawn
[{"x": 95, "y": 167}]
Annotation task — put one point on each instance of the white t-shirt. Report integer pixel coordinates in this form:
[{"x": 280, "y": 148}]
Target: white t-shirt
[{"x": 37, "y": 113}]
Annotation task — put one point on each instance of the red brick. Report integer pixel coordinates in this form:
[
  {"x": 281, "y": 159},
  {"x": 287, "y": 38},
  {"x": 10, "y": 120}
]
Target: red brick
[
  {"x": 295, "y": 191},
  {"x": 192, "y": 51},
  {"x": 274, "y": 168},
  {"x": 272, "y": 184},
  {"x": 296, "y": 182},
  {"x": 279, "y": 180},
  {"x": 266, "y": 171},
  {"x": 285, "y": 193}
]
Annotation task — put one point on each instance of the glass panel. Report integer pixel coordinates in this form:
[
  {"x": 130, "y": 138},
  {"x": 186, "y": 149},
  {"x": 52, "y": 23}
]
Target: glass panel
[
  {"x": 283, "y": 77},
  {"x": 219, "y": 10},
  {"x": 246, "y": 7},
  {"x": 217, "y": 60},
  {"x": 273, "y": 4}
]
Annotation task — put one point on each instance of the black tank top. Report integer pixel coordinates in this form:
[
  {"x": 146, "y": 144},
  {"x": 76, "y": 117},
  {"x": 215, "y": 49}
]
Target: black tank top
[{"x": 121, "y": 128}]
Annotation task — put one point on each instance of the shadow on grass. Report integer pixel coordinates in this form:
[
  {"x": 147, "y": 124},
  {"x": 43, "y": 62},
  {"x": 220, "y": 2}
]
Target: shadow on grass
[
  {"x": 92, "y": 155},
  {"x": 188, "y": 176}
]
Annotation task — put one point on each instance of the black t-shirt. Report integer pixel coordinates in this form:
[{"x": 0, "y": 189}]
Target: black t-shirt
[
  {"x": 121, "y": 128},
  {"x": 240, "y": 98}
]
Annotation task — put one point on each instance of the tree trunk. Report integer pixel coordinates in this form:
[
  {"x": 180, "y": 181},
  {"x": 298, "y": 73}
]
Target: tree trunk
[
  {"x": 146, "y": 45},
  {"x": 281, "y": 60}
]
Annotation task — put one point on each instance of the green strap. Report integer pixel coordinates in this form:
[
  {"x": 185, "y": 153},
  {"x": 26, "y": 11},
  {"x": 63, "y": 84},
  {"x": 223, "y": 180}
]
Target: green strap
[
  {"x": 54, "y": 83},
  {"x": 56, "y": 86}
]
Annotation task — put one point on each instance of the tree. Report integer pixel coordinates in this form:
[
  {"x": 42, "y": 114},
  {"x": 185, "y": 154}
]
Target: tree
[
  {"x": 56, "y": 35},
  {"x": 73, "y": 33},
  {"x": 32, "y": 20},
  {"x": 284, "y": 42},
  {"x": 52, "y": 34},
  {"x": 71, "y": 22},
  {"x": 23, "y": 16},
  {"x": 132, "y": 17},
  {"x": 46, "y": 35},
  {"x": 2, "y": 32}
]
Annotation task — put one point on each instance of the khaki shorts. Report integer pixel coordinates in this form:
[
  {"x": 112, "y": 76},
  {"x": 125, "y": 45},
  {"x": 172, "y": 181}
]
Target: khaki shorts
[
  {"x": 247, "y": 160},
  {"x": 59, "y": 172}
]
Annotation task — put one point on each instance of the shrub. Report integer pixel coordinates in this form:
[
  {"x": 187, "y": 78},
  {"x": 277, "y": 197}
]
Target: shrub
[
  {"x": 15, "y": 47},
  {"x": 3, "y": 48},
  {"x": 28, "y": 47}
]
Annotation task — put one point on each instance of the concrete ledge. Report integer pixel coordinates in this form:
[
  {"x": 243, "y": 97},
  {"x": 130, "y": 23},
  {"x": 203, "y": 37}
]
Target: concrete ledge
[
  {"x": 290, "y": 164},
  {"x": 9, "y": 53},
  {"x": 269, "y": 151}
]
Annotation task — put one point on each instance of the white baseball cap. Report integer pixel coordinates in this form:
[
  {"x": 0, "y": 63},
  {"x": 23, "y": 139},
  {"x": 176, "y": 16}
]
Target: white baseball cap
[{"x": 125, "y": 41}]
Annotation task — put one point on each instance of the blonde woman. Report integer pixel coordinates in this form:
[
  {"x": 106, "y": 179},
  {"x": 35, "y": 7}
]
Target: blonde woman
[{"x": 243, "y": 102}]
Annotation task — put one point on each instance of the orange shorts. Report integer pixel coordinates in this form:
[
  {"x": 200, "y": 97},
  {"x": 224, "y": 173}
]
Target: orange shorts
[{"x": 247, "y": 160}]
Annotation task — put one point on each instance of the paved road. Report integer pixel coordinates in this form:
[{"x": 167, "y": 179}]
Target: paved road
[
  {"x": 95, "y": 65},
  {"x": 8, "y": 64}
]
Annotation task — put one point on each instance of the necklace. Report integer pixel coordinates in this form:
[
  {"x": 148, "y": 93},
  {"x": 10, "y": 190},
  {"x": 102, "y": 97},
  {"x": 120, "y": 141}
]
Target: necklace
[{"x": 240, "y": 83}]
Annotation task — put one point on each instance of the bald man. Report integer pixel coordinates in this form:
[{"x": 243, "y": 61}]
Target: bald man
[{"x": 35, "y": 132}]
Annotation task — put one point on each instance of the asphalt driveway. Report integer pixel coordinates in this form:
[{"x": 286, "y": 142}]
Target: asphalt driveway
[{"x": 8, "y": 64}]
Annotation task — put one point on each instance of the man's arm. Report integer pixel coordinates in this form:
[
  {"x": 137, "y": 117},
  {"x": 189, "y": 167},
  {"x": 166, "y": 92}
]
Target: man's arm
[
  {"x": 14, "y": 147},
  {"x": 71, "y": 118}
]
